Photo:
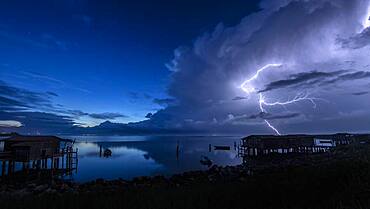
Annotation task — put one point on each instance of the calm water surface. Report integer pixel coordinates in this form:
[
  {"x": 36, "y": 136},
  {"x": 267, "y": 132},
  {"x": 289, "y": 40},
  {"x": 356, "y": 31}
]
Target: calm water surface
[{"x": 134, "y": 156}]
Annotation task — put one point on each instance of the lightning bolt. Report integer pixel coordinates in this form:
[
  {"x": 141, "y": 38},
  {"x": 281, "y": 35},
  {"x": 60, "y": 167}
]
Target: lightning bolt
[
  {"x": 248, "y": 88},
  {"x": 296, "y": 99},
  {"x": 261, "y": 102}
]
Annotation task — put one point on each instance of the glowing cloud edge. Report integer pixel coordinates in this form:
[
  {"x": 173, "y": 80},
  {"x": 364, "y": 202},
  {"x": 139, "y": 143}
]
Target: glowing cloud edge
[{"x": 248, "y": 88}]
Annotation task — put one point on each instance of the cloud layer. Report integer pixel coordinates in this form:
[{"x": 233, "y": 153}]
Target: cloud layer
[
  {"x": 34, "y": 112},
  {"x": 322, "y": 46}
]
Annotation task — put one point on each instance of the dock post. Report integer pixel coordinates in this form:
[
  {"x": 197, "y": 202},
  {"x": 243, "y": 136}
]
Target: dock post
[
  {"x": 53, "y": 161},
  {"x": 9, "y": 167},
  {"x": 67, "y": 159},
  {"x": 3, "y": 167},
  {"x": 43, "y": 163},
  {"x": 13, "y": 166}
]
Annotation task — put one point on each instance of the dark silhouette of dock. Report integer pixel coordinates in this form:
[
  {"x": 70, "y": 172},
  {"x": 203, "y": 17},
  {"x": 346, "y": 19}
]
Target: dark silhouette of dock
[
  {"x": 37, "y": 153},
  {"x": 257, "y": 145}
]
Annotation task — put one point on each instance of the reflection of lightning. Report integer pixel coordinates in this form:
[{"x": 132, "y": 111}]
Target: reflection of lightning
[{"x": 248, "y": 88}]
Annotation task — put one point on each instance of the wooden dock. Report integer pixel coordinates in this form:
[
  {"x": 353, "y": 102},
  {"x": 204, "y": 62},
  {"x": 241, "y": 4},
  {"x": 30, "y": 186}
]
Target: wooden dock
[
  {"x": 37, "y": 153},
  {"x": 66, "y": 160},
  {"x": 257, "y": 145}
]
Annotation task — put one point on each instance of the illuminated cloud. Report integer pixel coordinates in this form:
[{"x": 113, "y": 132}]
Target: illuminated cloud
[
  {"x": 321, "y": 47},
  {"x": 10, "y": 124},
  {"x": 323, "y": 51}
]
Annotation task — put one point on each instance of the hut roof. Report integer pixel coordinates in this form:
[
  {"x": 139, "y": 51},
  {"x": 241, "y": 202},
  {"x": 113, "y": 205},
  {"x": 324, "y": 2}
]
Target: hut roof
[
  {"x": 34, "y": 139},
  {"x": 273, "y": 141},
  {"x": 277, "y": 137}
]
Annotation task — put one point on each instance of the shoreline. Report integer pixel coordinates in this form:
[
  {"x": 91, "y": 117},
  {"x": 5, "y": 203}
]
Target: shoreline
[
  {"x": 255, "y": 166},
  {"x": 342, "y": 174}
]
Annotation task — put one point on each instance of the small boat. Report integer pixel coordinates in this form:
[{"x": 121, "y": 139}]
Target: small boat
[
  {"x": 222, "y": 147},
  {"x": 204, "y": 160},
  {"x": 107, "y": 153}
]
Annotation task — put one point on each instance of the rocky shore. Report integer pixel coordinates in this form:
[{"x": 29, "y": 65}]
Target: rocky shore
[{"x": 214, "y": 174}]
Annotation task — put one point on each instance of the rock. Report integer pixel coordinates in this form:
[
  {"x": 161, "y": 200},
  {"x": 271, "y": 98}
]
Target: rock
[
  {"x": 3, "y": 188},
  {"x": 50, "y": 191},
  {"x": 214, "y": 168},
  {"x": 212, "y": 178},
  {"x": 242, "y": 179},
  {"x": 31, "y": 186},
  {"x": 41, "y": 188},
  {"x": 64, "y": 187},
  {"x": 21, "y": 193},
  {"x": 100, "y": 181}
]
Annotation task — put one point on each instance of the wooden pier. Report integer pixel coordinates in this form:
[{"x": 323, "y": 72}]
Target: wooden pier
[
  {"x": 37, "y": 153},
  {"x": 257, "y": 145}
]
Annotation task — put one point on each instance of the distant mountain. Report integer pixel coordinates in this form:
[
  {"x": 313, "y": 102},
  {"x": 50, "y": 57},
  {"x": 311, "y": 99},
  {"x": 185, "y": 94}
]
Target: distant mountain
[
  {"x": 109, "y": 125},
  {"x": 106, "y": 128},
  {"x": 139, "y": 128}
]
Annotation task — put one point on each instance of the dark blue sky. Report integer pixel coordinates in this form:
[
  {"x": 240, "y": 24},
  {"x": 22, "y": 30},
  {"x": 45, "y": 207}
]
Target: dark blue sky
[
  {"x": 103, "y": 56},
  {"x": 79, "y": 62}
]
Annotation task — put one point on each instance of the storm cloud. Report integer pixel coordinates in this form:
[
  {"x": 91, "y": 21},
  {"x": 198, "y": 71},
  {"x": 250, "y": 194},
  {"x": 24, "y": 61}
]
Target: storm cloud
[
  {"x": 321, "y": 47},
  {"x": 263, "y": 115},
  {"x": 305, "y": 78},
  {"x": 357, "y": 41},
  {"x": 352, "y": 76},
  {"x": 321, "y": 78},
  {"x": 304, "y": 37},
  {"x": 164, "y": 102},
  {"x": 107, "y": 115},
  {"x": 360, "y": 93}
]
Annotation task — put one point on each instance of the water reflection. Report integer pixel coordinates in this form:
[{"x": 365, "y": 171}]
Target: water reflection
[{"x": 148, "y": 155}]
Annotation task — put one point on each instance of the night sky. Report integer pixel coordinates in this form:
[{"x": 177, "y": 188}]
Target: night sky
[{"x": 179, "y": 65}]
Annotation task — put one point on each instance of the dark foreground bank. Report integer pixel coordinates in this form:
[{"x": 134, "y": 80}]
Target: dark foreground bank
[{"x": 339, "y": 179}]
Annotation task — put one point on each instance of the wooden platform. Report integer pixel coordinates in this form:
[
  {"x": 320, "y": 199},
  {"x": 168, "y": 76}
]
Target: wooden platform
[
  {"x": 257, "y": 145},
  {"x": 5, "y": 155},
  {"x": 65, "y": 160}
]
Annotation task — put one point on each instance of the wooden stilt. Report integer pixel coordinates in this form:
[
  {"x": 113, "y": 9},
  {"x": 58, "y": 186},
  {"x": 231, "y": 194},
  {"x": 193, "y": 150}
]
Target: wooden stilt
[
  {"x": 3, "y": 167},
  {"x": 9, "y": 167}
]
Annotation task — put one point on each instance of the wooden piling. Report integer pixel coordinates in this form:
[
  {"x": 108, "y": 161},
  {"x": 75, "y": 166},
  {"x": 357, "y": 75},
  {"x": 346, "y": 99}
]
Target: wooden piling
[{"x": 3, "y": 167}]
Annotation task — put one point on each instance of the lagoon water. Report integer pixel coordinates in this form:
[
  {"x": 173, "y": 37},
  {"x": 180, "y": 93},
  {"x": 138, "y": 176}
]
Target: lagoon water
[{"x": 134, "y": 156}]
